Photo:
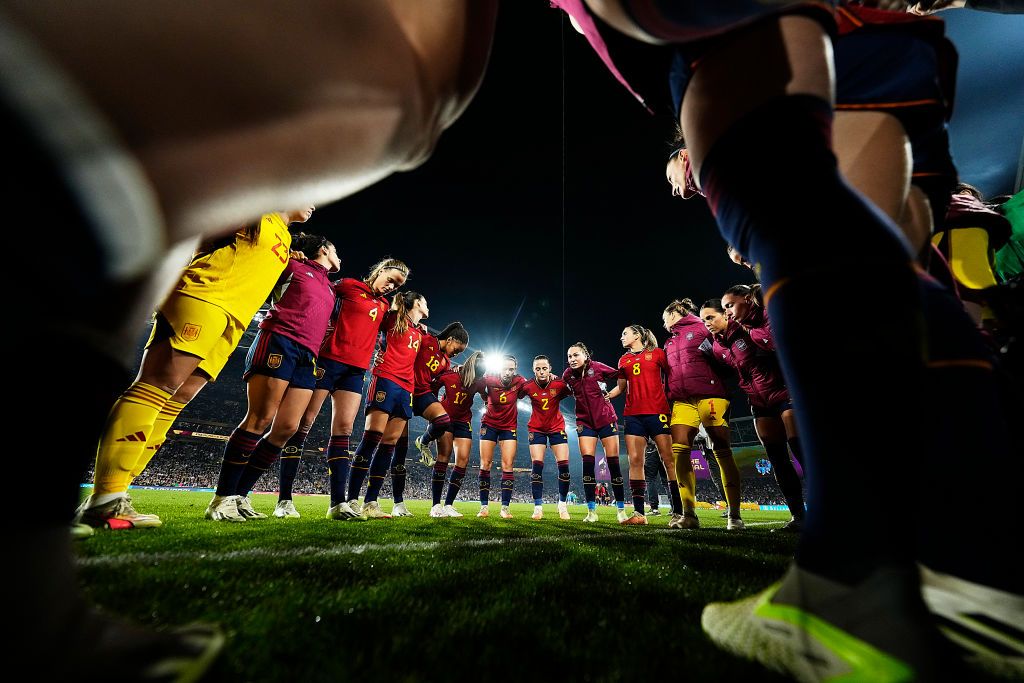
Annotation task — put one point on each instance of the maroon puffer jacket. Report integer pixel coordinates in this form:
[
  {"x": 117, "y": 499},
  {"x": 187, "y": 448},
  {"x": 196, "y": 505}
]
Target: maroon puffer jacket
[
  {"x": 690, "y": 375},
  {"x": 758, "y": 368}
]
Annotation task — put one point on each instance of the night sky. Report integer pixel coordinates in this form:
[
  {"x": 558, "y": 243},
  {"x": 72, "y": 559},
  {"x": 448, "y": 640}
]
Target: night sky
[{"x": 544, "y": 218}]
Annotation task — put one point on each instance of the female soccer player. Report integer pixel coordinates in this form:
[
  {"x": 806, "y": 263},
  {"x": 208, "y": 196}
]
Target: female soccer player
[
  {"x": 279, "y": 375},
  {"x": 197, "y": 327},
  {"x": 459, "y": 385},
  {"x": 742, "y": 340},
  {"x": 389, "y": 399},
  {"x": 642, "y": 371},
  {"x": 499, "y": 426},
  {"x": 432, "y": 360},
  {"x": 341, "y": 366},
  {"x": 595, "y": 419},
  {"x": 698, "y": 398},
  {"x": 547, "y": 427}
]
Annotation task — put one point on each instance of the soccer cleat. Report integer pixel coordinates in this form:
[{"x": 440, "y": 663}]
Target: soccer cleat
[
  {"x": 654, "y": 512},
  {"x": 338, "y": 511},
  {"x": 815, "y": 629},
  {"x": 734, "y": 524},
  {"x": 637, "y": 518},
  {"x": 372, "y": 510},
  {"x": 80, "y": 532},
  {"x": 116, "y": 514},
  {"x": 504, "y": 513},
  {"x": 685, "y": 521},
  {"x": 400, "y": 510},
  {"x": 538, "y": 512},
  {"x": 563, "y": 511},
  {"x": 224, "y": 509},
  {"x": 675, "y": 521},
  {"x": 245, "y": 509},
  {"x": 591, "y": 516},
  {"x": 450, "y": 511},
  {"x": 426, "y": 456},
  {"x": 621, "y": 515},
  {"x": 438, "y": 511},
  {"x": 354, "y": 508},
  {"x": 986, "y": 623},
  {"x": 484, "y": 512},
  {"x": 285, "y": 508},
  {"x": 793, "y": 526}
]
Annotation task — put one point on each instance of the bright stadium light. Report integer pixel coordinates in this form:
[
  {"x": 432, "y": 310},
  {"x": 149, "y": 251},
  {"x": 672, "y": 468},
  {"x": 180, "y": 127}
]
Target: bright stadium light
[{"x": 493, "y": 362}]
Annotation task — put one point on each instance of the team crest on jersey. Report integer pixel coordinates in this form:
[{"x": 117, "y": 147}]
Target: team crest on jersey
[
  {"x": 648, "y": 356},
  {"x": 274, "y": 360},
  {"x": 590, "y": 371},
  {"x": 380, "y": 396},
  {"x": 741, "y": 345},
  {"x": 689, "y": 336},
  {"x": 191, "y": 331}
]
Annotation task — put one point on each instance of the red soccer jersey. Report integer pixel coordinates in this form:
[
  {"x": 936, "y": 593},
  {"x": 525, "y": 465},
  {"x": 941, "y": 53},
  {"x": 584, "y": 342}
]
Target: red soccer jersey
[
  {"x": 546, "y": 416},
  {"x": 502, "y": 412},
  {"x": 644, "y": 372},
  {"x": 430, "y": 362},
  {"x": 398, "y": 354},
  {"x": 457, "y": 399},
  {"x": 357, "y": 325}
]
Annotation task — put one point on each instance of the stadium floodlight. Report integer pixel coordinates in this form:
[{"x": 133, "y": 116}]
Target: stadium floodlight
[{"x": 493, "y": 361}]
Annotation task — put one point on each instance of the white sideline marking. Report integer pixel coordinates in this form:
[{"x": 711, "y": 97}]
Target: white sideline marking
[{"x": 336, "y": 551}]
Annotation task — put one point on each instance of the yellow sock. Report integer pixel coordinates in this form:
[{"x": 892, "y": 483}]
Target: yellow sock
[
  {"x": 168, "y": 414},
  {"x": 124, "y": 439},
  {"x": 685, "y": 476},
  {"x": 730, "y": 478}
]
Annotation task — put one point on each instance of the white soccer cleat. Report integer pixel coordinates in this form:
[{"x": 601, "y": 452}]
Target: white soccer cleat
[
  {"x": 538, "y": 512},
  {"x": 245, "y": 509},
  {"x": 438, "y": 511},
  {"x": 637, "y": 518},
  {"x": 354, "y": 507},
  {"x": 654, "y": 512},
  {"x": 621, "y": 515},
  {"x": 484, "y": 512},
  {"x": 450, "y": 511},
  {"x": 372, "y": 510},
  {"x": 734, "y": 524},
  {"x": 400, "y": 510},
  {"x": 285, "y": 508},
  {"x": 224, "y": 509},
  {"x": 116, "y": 514},
  {"x": 80, "y": 532},
  {"x": 505, "y": 514},
  {"x": 591, "y": 516},
  {"x": 337, "y": 512},
  {"x": 563, "y": 511},
  {"x": 675, "y": 521}
]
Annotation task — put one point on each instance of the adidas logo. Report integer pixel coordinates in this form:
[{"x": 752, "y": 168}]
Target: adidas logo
[{"x": 137, "y": 436}]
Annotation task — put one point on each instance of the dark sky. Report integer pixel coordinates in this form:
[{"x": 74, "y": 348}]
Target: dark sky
[{"x": 549, "y": 193}]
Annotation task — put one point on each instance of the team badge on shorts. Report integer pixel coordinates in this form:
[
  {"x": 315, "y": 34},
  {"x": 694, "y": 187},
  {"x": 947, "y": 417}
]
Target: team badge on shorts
[
  {"x": 318, "y": 373},
  {"x": 483, "y": 431},
  {"x": 380, "y": 396},
  {"x": 190, "y": 332},
  {"x": 274, "y": 361}
]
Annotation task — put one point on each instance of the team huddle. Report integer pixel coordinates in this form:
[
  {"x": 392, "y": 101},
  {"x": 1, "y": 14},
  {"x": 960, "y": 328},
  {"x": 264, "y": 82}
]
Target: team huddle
[{"x": 320, "y": 338}]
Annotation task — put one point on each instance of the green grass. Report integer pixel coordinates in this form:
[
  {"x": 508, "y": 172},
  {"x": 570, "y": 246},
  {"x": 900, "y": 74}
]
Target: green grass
[{"x": 424, "y": 599}]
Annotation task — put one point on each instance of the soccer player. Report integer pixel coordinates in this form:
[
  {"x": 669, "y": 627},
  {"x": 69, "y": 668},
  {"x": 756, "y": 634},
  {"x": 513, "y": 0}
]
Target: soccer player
[
  {"x": 341, "y": 367},
  {"x": 432, "y": 360},
  {"x": 459, "y": 386},
  {"x": 698, "y": 398},
  {"x": 642, "y": 371},
  {"x": 743, "y": 341},
  {"x": 279, "y": 376},
  {"x": 195, "y": 330},
  {"x": 595, "y": 419},
  {"x": 389, "y": 400},
  {"x": 547, "y": 427},
  {"x": 498, "y": 426}
]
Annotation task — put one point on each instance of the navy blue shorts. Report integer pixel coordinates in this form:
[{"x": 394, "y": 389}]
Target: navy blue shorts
[
  {"x": 774, "y": 410},
  {"x": 647, "y": 425},
  {"x": 388, "y": 397},
  {"x": 462, "y": 430},
  {"x": 334, "y": 376},
  {"x": 548, "y": 438},
  {"x": 607, "y": 430},
  {"x": 492, "y": 434},
  {"x": 274, "y": 355},
  {"x": 422, "y": 402}
]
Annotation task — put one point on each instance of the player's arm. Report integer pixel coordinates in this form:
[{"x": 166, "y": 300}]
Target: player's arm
[{"x": 617, "y": 390}]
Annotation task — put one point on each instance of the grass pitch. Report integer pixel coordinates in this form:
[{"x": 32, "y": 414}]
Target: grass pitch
[{"x": 420, "y": 599}]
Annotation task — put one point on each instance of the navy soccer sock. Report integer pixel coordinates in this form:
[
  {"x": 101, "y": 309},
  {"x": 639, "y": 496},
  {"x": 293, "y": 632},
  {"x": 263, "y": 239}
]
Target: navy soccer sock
[
  {"x": 454, "y": 484},
  {"x": 563, "y": 481},
  {"x": 339, "y": 458},
  {"x": 677, "y": 500},
  {"x": 618, "y": 488},
  {"x": 537, "y": 482},
  {"x": 378, "y": 471},
  {"x": 437, "y": 481},
  {"x": 485, "y": 486},
  {"x": 291, "y": 457},
  {"x": 398, "y": 471},
  {"x": 262, "y": 459},
  {"x": 786, "y": 478},
  {"x": 589, "y": 482},
  {"x": 638, "y": 487},
  {"x": 437, "y": 427},
  {"x": 236, "y": 455},
  {"x": 507, "y": 482},
  {"x": 368, "y": 445}
]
